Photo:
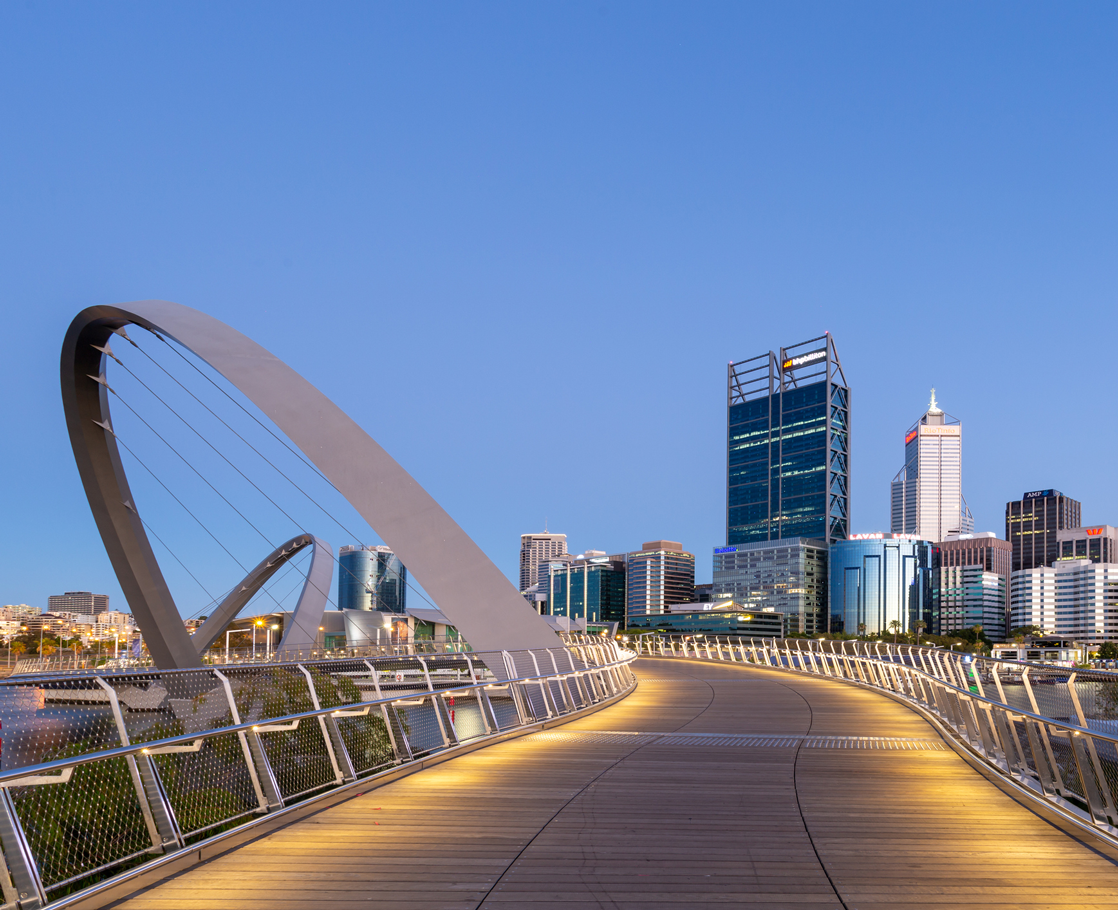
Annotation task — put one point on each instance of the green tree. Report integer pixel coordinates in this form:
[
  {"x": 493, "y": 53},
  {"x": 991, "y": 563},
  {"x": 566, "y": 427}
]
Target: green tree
[
  {"x": 895, "y": 628},
  {"x": 861, "y": 630},
  {"x": 1108, "y": 650},
  {"x": 920, "y": 627}
]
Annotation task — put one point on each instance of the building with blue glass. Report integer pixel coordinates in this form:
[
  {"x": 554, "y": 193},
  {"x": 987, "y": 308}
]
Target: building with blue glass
[
  {"x": 878, "y": 578},
  {"x": 590, "y": 588},
  {"x": 371, "y": 578},
  {"x": 788, "y": 446}
]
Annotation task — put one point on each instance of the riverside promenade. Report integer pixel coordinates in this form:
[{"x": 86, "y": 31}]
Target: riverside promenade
[{"x": 711, "y": 785}]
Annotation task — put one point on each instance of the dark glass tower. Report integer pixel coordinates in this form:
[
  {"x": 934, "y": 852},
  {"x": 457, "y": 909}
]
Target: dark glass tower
[
  {"x": 1031, "y": 524},
  {"x": 371, "y": 578},
  {"x": 788, "y": 446}
]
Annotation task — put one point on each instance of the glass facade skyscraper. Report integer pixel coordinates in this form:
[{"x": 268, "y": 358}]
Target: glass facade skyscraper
[
  {"x": 371, "y": 578},
  {"x": 878, "y": 578},
  {"x": 788, "y": 446},
  {"x": 1031, "y": 525}
]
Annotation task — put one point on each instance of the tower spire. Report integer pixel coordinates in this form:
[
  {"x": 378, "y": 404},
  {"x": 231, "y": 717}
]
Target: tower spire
[{"x": 933, "y": 408}]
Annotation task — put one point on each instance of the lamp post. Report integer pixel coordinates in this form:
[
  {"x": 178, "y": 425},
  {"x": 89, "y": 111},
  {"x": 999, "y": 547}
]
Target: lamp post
[
  {"x": 257, "y": 623},
  {"x": 274, "y": 627}
]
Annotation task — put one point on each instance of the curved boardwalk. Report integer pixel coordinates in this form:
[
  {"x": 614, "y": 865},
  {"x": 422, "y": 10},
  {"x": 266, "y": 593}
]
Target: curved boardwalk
[{"x": 579, "y": 816}]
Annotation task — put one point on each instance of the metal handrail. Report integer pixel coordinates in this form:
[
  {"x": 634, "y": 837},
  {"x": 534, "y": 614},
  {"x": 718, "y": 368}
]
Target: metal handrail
[
  {"x": 6, "y": 777},
  {"x": 155, "y": 802},
  {"x": 1065, "y": 763}
]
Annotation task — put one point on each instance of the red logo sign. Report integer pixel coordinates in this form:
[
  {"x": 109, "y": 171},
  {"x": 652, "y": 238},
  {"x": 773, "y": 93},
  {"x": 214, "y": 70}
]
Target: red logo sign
[
  {"x": 911, "y": 436},
  {"x": 1093, "y": 532}
]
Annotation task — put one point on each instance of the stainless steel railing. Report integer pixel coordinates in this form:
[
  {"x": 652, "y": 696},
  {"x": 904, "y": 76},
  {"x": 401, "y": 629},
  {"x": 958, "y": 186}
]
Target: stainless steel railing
[
  {"x": 105, "y": 772},
  {"x": 1050, "y": 729}
]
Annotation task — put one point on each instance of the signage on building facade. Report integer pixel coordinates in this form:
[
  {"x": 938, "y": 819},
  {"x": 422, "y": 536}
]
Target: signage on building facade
[
  {"x": 883, "y": 537},
  {"x": 911, "y": 436},
  {"x": 726, "y": 550},
  {"x": 940, "y": 431},
  {"x": 1037, "y": 494},
  {"x": 804, "y": 359},
  {"x": 1093, "y": 532}
]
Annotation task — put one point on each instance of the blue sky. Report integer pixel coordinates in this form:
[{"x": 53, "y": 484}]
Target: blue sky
[{"x": 519, "y": 243}]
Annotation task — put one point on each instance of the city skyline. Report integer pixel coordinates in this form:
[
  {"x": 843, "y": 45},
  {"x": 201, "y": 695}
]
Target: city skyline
[{"x": 585, "y": 216}]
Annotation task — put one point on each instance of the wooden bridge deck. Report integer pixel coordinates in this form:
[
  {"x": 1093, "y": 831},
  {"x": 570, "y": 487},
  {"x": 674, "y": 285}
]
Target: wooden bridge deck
[{"x": 571, "y": 816}]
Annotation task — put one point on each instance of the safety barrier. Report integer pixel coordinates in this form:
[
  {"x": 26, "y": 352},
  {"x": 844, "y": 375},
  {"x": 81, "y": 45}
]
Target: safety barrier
[
  {"x": 1050, "y": 729},
  {"x": 105, "y": 772}
]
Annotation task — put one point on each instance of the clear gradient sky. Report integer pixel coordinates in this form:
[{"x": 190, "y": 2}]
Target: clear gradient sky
[{"x": 520, "y": 242}]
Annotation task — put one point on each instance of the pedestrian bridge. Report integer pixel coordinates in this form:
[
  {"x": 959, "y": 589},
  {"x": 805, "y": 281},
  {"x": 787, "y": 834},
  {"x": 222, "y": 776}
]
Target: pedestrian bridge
[
  {"x": 735, "y": 771},
  {"x": 710, "y": 785}
]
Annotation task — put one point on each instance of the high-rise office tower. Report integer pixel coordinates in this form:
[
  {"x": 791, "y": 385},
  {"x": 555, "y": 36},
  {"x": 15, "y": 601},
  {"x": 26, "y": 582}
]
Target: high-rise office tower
[
  {"x": 927, "y": 493},
  {"x": 536, "y": 549},
  {"x": 371, "y": 578},
  {"x": 788, "y": 446},
  {"x": 1031, "y": 525}
]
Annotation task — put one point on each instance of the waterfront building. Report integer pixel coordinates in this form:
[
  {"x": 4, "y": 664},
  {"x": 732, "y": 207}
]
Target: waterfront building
[
  {"x": 788, "y": 576},
  {"x": 658, "y": 574},
  {"x": 927, "y": 493},
  {"x": 536, "y": 549},
  {"x": 1031, "y": 524},
  {"x": 875, "y": 579},
  {"x": 589, "y": 587},
  {"x": 788, "y": 445},
  {"x": 970, "y": 596},
  {"x": 371, "y": 578},
  {"x": 78, "y": 602},
  {"x": 1074, "y": 598},
  {"x": 1098, "y": 543},
  {"x": 724, "y": 618}
]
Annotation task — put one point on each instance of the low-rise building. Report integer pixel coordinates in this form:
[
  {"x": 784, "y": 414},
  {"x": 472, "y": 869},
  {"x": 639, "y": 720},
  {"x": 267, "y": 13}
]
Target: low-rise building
[{"x": 724, "y": 618}]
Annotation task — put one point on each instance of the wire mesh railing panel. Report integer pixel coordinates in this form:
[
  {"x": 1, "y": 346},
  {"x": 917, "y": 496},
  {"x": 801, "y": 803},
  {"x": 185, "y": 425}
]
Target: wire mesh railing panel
[
  {"x": 466, "y": 716},
  {"x": 298, "y": 758},
  {"x": 208, "y": 789},
  {"x": 269, "y": 691},
  {"x": 503, "y": 704},
  {"x": 92, "y": 822},
  {"x": 425, "y": 734},
  {"x": 367, "y": 741},
  {"x": 44, "y": 722}
]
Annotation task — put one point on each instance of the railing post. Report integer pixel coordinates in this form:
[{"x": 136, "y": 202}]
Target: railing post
[
  {"x": 26, "y": 882},
  {"x": 1107, "y": 813},
  {"x": 1057, "y": 778},
  {"x": 388, "y": 720},
  {"x": 335, "y": 747},
  {"x": 159, "y": 817},
  {"x": 436, "y": 703},
  {"x": 266, "y": 789}
]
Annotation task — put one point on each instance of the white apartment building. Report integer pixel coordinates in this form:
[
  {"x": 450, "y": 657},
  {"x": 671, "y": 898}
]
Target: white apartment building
[
  {"x": 537, "y": 549},
  {"x": 926, "y": 496},
  {"x": 1074, "y": 598}
]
